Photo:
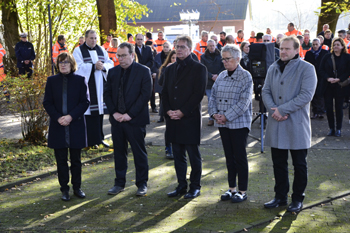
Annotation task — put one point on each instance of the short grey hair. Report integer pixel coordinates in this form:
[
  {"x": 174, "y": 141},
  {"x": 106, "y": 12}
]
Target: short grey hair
[
  {"x": 269, "y": 36},
  {"x": 211, "y": 41},
  {"x": 204, "y": 33},
  {"x": 316, "y": 39},
  {"x": 233, "y": 49}
]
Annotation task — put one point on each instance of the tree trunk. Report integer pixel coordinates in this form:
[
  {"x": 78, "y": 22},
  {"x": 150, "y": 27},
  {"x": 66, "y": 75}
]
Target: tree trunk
[
  {"x": 330, "y": 18},
  {"x": 11, "y": 35},
  {"x": 107, "y": 18}
]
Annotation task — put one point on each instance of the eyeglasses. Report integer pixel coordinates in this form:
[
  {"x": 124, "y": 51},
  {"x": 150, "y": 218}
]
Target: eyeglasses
[
  {"x": 139, "y": 39},
  {"x": 182, "y": 47},
  {"x": 121, "y": 56},
  {"x": 64, "y": 63},
  {"x": 226, "y": 59},
  {"x": 266, "y": 40}
]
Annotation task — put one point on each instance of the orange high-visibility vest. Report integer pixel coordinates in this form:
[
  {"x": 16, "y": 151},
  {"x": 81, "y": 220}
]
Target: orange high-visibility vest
[
  {"x": 57, "y": 50},
  {"x": 238, "y": 40},
  {"x": 132, "y": 42},
  {"x": 325, "y": 47},
  {"x": 200, "y": 48},
  {"x": 301, "y": 54},
  {"x": 159, "y": 44},
  {"x": 252, "y": 40},
  {"x": 112, "y": 54},
  {"x": 294, "y": 32},
  {"x": 106, "y": 45},
  {"x": 2, "y": 72}
]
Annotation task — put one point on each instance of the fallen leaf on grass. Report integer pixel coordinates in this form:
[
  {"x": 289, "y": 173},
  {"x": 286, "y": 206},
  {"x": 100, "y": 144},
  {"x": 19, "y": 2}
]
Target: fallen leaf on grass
[
  {"x": 67, "y": 216},
  {"x": 245, "y": 229},
  {"x": 111, "y": 150},
  {"x": 344, "y": 199}
]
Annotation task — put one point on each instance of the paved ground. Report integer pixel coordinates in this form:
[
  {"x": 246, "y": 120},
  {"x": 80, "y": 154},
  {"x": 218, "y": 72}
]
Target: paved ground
[{"x": 36, "y": 206}]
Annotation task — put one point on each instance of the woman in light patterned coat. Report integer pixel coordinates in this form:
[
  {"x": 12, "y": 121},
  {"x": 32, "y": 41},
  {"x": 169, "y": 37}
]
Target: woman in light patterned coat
[{"x": 231, "y": 106}]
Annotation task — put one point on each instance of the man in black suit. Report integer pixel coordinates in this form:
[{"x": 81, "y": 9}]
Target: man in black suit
[
  {"x": 183, "y": 90},
  {"x": 145, "y": 57},
  {"x": 126, "y": 95}
]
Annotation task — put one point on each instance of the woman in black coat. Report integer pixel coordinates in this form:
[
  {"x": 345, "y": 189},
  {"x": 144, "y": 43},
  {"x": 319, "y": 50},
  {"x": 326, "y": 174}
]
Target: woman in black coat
[
  {"x": 66, "y": 100},
  {"x": 333, "y": 91}
]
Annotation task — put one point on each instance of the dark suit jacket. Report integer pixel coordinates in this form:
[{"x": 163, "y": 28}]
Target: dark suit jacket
[
  {"x": 321, "y": 83},
  {"x": 184, "y": 93},
  {"x": 77, "y": 104},
  {"x": 146, "y": 58},
  {"x": 137, "y": 93},
  {"x": 214, "y": 66}
]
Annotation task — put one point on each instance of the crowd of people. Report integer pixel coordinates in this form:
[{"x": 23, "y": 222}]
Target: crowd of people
[{"x": 120, "y": 79}]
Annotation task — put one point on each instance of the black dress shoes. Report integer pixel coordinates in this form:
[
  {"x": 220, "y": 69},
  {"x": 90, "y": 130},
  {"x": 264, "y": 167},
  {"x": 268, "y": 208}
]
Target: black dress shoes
[
  {"x": 275, "y": 203},
  {"x": 192, "y": 193},
  {"x": 79, "y": 193},
  {"x": 337, "y": 133},
  {"x": 331, "y": 132},
  {"x": 295, "y": 206},
  {"x": 65, "y": 196},
  {"x": 177, "y": 192}
]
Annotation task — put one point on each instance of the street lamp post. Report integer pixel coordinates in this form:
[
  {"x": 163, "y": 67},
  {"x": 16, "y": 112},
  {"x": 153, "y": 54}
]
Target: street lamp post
[{"x": 190, "y": 18}]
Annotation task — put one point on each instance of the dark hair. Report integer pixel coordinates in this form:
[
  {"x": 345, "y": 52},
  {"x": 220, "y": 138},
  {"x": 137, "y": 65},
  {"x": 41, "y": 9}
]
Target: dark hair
[
  {"x": 109, "y": 35},
  {"x": 148, "y": 35},
  {"x": 187, "y": 39},
  {"x": 130, "y": 47},
  {"x": 148, "y": 42},
  {"x": 88, "y": 32},
  {"x": 129, "y": 34},
  {"x": 60, "y": 37},
  {"x": 223, "y": 33},
  {"x": 167, "y": 61},
  {"x": 70, "y": 58},
  {"x": 160, "y": 32},
  {"x": 342, "y": 31},
  {"x": 239, "y": 31},
  {"x": 344, "y": 50},
  {"x": 291, "y": 24}
]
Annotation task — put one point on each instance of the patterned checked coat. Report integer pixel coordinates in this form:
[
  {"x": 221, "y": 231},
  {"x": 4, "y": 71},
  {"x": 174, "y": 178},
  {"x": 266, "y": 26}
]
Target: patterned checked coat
[{"x": 232, "y": 97}]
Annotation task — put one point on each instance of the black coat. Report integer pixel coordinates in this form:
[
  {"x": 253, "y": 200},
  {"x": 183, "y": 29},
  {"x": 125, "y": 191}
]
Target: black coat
[
  {"x": 214, "y": 66},
  {"x": 137, "y": 94},
  {"x": 147, "y": 56},
  {"x": 343, "y": 71},
  {"x": 77, "y": 104},
  {"x": 184, "y": 93},
  {"x": 24, "y": 51},
  {"x": 321, "y": 83}
]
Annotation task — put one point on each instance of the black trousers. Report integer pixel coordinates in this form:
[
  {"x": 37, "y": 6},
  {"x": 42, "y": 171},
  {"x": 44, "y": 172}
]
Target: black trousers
[
  {"x": 26, "y": 69},
  {"x": 280, "y": 169},
  {"x": 317, "y": 104},
  {"x": 122, "y": 133},
  {"x": 234, "y": 142},
  {"x": 330, "y": 95},
  {"x": 180, "y": 160},
  {"x": 63, "y": 169},
  {"x": 94, "y": 129},
  {"x": 153, "y": 97}
]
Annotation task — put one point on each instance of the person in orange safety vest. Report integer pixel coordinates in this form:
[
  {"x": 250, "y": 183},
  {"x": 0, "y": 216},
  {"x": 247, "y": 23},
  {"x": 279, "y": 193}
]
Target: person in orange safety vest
[
  {"x": 301, "y": 40},
  {"x": 160, "y": 41},
  {"x": 201, "y": 46},
  {"x": 59, "y": 47},
  {"x": 2, "y": 72},
  {"x": 131, "y": 39},
  {"x": 268, "y": 32},
  {"x": 292, "y": 30},
  {"x": 107, "y": 44},
  {"x": 252, "y": 38},
  {"x": 321, "y": 38},
  {"x": 222, "y": 41},
  {"x": 112, "y": 51},
  {"x": 240, "y": 37},
  {"x": 81, "y": 41}
]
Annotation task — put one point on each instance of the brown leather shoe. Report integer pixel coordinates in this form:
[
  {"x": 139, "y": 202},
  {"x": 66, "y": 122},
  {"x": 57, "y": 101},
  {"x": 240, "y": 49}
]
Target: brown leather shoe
[{"x": 210, "y": 122}]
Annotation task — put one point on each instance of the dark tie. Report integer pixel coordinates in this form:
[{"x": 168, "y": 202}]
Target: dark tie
[
  {"x": 65, "y": 108},
  {"x": 121, "y": 102}
]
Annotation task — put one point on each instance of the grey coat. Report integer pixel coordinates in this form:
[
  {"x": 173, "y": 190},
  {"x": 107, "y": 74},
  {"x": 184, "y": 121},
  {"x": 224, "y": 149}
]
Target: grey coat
[{"x": 291, "y": 92}]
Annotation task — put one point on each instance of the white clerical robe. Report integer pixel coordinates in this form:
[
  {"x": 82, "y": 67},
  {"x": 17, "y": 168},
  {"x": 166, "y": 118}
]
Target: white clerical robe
[{"x": 84, "y": 69}]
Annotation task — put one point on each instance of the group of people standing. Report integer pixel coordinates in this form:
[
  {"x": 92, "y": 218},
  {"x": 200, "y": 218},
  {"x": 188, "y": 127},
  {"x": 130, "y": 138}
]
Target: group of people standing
[{"x": 88, "y": 85}]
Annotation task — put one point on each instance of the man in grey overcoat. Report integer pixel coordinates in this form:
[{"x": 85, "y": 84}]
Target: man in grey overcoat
[{"x": 289, "y": 87}]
